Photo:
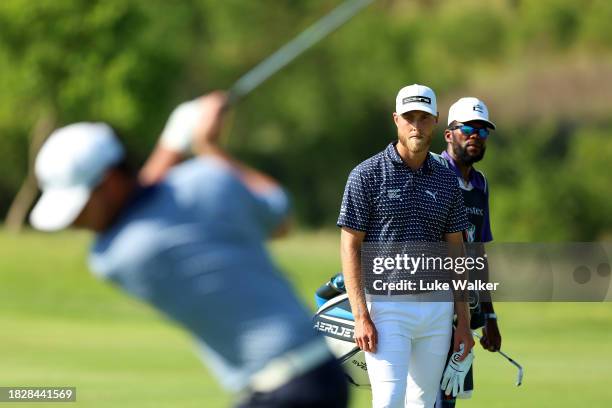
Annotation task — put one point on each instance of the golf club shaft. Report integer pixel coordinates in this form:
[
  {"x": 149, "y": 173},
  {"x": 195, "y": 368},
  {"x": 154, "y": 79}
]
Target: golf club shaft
[
  {"x": 510, "y": 359},
  {"x": 294, "y": 48}
]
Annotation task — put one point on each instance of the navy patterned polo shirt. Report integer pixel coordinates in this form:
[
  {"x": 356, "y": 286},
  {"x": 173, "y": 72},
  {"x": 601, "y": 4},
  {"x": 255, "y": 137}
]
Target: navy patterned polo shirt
[{"x": 392, "y": 203}]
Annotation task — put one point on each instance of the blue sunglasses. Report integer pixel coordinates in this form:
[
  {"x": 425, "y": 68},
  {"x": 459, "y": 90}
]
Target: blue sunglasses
[{"x": 468, "y": 130}]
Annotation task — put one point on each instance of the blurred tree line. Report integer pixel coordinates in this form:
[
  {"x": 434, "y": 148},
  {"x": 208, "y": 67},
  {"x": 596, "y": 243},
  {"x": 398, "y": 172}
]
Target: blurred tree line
[{"x": 544, "y": 67}]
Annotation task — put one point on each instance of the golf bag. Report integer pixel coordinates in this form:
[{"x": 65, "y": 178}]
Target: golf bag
[{"x": 335, "y": 322}]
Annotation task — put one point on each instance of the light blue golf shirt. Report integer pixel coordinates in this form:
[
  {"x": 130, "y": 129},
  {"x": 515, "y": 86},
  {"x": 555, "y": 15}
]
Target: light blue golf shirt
[{"x": 193, "y": 246}]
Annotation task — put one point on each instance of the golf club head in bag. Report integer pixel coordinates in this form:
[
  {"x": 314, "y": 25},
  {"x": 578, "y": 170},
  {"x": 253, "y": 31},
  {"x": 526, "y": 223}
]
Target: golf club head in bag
[{"x": 335, "y": 322}]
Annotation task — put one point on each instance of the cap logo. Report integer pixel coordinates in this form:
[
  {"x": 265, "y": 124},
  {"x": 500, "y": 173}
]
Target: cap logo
[
  {"x": 479, "y": 108},
  {"x": 417, "y": 98}
]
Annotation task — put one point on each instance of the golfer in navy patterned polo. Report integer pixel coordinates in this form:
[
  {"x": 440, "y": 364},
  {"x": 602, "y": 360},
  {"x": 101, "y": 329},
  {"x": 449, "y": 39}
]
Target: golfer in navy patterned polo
[{"x": 403, "y": 194}]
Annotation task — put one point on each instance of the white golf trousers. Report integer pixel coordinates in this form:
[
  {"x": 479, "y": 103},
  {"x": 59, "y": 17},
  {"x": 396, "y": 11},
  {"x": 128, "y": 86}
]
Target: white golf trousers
[{"x": 413, "y": 340}]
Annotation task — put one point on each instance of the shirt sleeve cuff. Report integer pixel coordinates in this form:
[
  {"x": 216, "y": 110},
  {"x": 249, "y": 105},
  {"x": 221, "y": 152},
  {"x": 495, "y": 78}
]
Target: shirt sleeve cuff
[{"x": 351, "y": 225}]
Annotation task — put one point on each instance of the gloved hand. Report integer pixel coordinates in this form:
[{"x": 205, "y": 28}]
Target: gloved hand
[
  {"x": 452, "y": 381},
  {"x": 178, "y": 132}
]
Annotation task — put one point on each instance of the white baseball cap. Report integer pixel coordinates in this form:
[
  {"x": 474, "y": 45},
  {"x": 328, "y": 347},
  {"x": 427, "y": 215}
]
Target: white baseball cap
[
  {"x": 467, "y": 109},
  {"x": 416, "y": 97},
  {"x": 70, "y": 164}
]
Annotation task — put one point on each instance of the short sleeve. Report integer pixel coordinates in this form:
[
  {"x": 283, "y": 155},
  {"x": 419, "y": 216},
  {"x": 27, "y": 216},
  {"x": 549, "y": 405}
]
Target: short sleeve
[
  {"x": 457, "y": 217},
  {"x": 273, "y": 208},
  {"x": 355, "y": 208}
]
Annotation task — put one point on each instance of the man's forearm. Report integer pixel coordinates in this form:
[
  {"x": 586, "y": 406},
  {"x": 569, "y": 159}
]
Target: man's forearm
[
  {"x": 487, "y": 305},
  {"x": 456, "y": 250},
  {"x": 158, "y": 164},
  {"x": 462, "y": 311},
  {"x": 351, "y": 269}
]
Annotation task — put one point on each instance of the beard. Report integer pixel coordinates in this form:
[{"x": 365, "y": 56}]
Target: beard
[
  {"x": 415, "y": 145},
  {"x": 465, "y": 157}
]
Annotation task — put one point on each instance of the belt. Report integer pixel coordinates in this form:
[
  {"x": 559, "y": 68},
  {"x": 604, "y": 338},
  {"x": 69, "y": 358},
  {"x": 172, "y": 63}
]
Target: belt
[{"x": 284, "y": 368}]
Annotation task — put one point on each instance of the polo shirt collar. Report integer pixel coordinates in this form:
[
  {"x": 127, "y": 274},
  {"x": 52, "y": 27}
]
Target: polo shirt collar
[{"x": 393, "y": 155}]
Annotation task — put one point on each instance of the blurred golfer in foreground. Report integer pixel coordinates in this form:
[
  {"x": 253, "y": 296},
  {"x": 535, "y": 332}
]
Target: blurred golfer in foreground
[{"x": 192, "y": 245}]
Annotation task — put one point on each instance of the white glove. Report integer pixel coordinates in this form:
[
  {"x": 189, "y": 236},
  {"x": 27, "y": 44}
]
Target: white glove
[
  {"x": 452, "y": 381},
  {"x": 178, "y": 132}
]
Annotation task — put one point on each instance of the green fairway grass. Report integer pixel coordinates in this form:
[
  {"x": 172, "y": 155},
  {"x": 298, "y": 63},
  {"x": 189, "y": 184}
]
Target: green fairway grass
[{"x": 59, "y": 326}]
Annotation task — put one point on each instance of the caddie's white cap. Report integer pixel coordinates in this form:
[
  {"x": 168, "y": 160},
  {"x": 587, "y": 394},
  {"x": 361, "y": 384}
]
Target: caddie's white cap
[
  {"x": 416, "y": 97},
  {"x": 70, "y": 164},
  {"x": 467, "y": 109}
]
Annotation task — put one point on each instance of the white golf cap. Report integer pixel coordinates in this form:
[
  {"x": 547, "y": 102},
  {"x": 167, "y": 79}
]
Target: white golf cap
[
  {"x": 416, "y": 97},
  {"x": 68, "y": 167},
  {"x": 467, "y": 109}
]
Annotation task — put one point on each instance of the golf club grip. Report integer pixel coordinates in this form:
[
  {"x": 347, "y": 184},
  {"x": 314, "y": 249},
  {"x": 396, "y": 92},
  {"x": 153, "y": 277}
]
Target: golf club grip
[{"x": 287, "y": 53}]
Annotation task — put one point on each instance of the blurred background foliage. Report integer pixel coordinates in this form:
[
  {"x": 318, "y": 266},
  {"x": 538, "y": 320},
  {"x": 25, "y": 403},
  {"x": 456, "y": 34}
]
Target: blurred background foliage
[{"x": 544, "y": 67}]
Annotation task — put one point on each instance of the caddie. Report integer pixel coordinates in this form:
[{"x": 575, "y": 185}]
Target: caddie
[{"x": 466, "y": 136}]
